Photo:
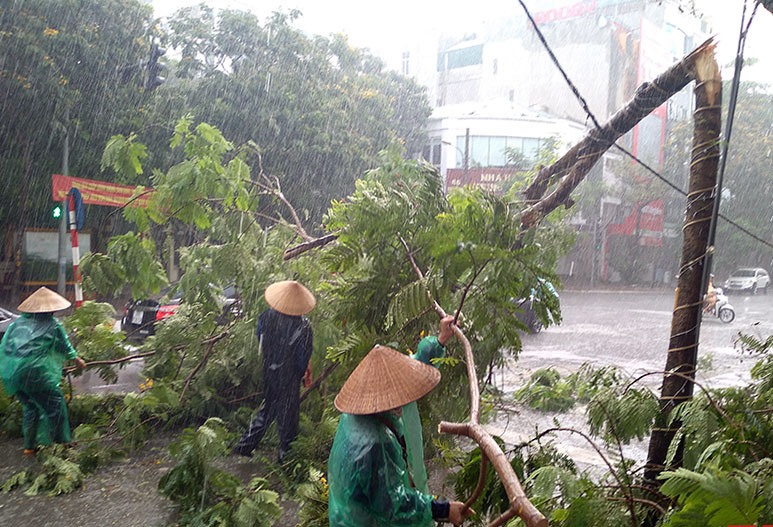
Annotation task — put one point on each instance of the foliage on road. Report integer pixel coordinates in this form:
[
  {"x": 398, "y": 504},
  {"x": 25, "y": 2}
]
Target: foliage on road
[
  {"x": 725, "y": 435},
  {"x": 210, "y": 496},
  {"x": 202, "y": 363}
]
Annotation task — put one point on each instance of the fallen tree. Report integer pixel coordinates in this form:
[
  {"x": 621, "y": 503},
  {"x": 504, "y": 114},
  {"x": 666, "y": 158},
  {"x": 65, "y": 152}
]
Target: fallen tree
[{"x": 472, "y": 246}]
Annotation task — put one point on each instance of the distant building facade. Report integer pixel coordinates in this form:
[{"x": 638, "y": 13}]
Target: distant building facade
[
  {"x": 498, "y": 81},
  {"x": 485, "y": 132}
]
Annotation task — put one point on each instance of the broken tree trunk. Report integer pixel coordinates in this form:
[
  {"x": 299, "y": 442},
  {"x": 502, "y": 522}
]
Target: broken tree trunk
[
  {"x": 575, "y": 164},
  {"x": 683, "y": 345}
]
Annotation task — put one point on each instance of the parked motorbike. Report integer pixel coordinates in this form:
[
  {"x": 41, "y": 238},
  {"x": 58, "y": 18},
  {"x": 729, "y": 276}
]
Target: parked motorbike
[
  {"x": 526, "y": 312},
  {"x": 527, "y": 315},
  {"x": 723, "y": 309}
]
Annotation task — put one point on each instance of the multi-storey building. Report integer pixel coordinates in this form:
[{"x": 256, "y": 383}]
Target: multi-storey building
[{"x": 495, "y": 87}]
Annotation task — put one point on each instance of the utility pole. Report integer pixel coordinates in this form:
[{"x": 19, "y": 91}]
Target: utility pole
[
  {"x": 61, "y": 281},
  {"x": 466, "y": 156},
  {"x": 594, "y": 255}
]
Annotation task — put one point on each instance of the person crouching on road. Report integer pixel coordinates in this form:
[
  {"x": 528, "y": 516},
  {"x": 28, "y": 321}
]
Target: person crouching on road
[
  {"x": 369, "y": 481},
  {"x": 32, "y": 353},
  {"x": 286, "y": 340}
]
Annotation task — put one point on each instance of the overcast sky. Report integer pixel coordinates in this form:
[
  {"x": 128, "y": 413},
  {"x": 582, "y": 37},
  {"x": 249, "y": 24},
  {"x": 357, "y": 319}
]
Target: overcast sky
[{"x": 384, "y": 27}]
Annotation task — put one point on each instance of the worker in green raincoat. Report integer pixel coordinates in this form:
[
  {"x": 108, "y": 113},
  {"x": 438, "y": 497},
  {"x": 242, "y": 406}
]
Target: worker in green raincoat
[
  {"x": 32, "y": 353},
  {"x": 370, "y": 483},
  {"x": 429, "y": 348}
]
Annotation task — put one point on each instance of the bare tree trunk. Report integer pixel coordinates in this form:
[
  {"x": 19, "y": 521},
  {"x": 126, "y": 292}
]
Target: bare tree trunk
[{"x": 683, "y": 345}]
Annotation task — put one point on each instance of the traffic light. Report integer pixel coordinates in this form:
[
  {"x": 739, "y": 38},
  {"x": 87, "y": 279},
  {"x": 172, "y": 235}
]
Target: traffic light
[
  {"x": 155, "y": 68},
  {"x": 57, "y": 212}
]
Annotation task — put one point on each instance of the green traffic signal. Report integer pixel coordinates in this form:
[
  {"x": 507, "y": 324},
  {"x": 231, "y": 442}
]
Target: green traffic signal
[{"x": 57, "y": 212}]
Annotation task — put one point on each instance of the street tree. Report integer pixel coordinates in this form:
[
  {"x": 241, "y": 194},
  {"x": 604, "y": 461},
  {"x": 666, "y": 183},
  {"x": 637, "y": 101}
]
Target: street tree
[
  {"x": 59, "y": 86},
  {"x": 748, "y": 183},
  {"x": 318, "y": 109}
]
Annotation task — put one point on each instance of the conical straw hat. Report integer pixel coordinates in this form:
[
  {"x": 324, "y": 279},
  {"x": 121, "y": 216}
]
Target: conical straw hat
[
  {"x": 384, "y": 380},
  {"x": 290, "y": 298},
  {"x": 44, "y": 301}
]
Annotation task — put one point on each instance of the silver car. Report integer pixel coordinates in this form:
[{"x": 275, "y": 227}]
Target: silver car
[
  {"x": 748, "y": 279},
  {"x": 6, "y": 318}
]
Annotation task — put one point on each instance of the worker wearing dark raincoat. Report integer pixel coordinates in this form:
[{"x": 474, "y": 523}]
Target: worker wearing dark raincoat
[
  {"x": 370, "y": 483},
  {"x": 32, "y": 353},
  {"x": 286, "y": 341}
]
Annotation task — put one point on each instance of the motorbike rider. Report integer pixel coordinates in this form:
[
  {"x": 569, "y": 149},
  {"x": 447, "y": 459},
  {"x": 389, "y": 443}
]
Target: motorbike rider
[{"x": 711, "y": 296}]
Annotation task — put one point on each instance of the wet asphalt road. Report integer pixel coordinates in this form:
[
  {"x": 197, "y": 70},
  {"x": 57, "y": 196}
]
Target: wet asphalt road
[{"x": 629, "y": 330}]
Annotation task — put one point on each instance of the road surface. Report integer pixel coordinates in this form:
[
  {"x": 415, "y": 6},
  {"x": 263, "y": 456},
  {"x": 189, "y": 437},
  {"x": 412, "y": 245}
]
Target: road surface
[{"x": 629, "y": 330}]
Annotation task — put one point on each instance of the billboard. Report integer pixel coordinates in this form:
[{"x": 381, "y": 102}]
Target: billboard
[
  {"x": 647, "y": 219},
  {"x": 654, "y": 57},
  {"x": 98, "y": 192}
]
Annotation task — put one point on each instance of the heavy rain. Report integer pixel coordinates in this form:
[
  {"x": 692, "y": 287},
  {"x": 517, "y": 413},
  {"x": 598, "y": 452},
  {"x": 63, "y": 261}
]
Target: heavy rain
[{"x": 241, "y": 240}]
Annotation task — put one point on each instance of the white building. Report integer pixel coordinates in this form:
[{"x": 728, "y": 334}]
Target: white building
[{"x": 493, "y": 127}]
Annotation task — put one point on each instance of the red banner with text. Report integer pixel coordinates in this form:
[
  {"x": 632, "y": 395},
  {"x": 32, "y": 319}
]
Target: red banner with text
[{"x": 100, "y": 192}]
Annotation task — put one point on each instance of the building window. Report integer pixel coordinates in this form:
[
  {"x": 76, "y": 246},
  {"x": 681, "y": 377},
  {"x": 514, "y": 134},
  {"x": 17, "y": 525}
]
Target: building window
[
  {"x": 511, "y": 95},
  {"x": 406, "y": 62},
  {"x": 436, "y": 154},
  {"x": 432, "y": 151},
  {"x": 459, "y": 58},
  {"x": 492, "y": 151}
]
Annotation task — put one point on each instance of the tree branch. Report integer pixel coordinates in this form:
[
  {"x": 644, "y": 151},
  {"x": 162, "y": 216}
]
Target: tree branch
[
  {"x": 315, "y": 384},
  {"x": 211, "y": 341},
  {"x": 519, "y": 502},
  {"x": 109, "y": 362},
  {"x": 306, "y": 246}
]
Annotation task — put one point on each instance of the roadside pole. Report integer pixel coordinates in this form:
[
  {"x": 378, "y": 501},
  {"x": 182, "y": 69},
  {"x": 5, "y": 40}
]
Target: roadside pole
[
  {"x": 681, "y": 359},
  {"x": 61, "y": 273},
  {"x": 76, "y": 256},
  {"x": 466, "y": 156}
]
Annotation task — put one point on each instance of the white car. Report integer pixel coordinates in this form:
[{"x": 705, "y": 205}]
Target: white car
[{"x": 749, "y": 279}]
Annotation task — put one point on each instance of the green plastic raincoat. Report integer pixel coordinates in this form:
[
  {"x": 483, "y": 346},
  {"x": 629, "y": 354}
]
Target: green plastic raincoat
[
  {"x": 32, "y": 353},
  {"x": 429, "y": 348},
  {"x": 369, "y": 485}
]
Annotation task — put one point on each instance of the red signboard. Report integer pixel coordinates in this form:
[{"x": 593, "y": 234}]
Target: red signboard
[
  {"x": 650, "y": 226},
  {"x": 493, "y": 179},
  {"x": 99, "y": 192},
  {"x": 565, "y": 12}
]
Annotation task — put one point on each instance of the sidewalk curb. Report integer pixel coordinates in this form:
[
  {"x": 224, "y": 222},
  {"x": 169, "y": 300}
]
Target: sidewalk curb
[{"x": 619, "y": 291}]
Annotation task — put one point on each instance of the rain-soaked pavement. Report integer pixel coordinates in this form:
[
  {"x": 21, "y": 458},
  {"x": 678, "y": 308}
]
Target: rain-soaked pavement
[
  {"x": 626, "y": 329},
  {"x": 629, "y": 330}
]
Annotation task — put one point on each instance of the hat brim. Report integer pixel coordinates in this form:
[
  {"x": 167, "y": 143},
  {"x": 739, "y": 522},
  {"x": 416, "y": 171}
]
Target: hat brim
[
  {"x": 384, "y": 380},
  {"x": 44, "y": 301},
  {"x": 290, "y": 298}
]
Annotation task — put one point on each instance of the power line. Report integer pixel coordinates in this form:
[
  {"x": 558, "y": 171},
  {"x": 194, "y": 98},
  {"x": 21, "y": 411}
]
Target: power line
[
  {"x": 596, "y": 123},
  {"x": 683, "y": 193}
]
